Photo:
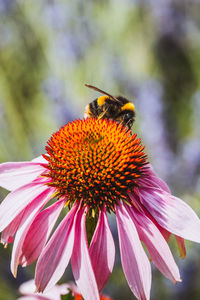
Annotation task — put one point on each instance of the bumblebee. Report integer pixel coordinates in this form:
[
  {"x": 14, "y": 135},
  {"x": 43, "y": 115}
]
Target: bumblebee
[{"x": 107, "y": 106}]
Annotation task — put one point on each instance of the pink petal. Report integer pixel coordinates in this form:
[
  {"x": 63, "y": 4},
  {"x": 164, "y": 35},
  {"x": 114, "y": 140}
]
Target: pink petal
[
  {"x": 156, "y": 244},
  {"x": 27, "y": 219},
  {"x": 56, "y": 254},
  {"x": 166, "y": 234},
  {"x": 39, "y": 232},
  {"x": 33, "y": 297},
  {"x": 17, "y": 200},
  {"x": 81, "y": 263},
  {"x": 16, "y": 174},
  {"x": 28, "y": 288},
  {"x": 135, "y": 263},
  {"x": 181, "y": 246},
  {"x": 102, "y": 251},
  {"x": 40, "y": 159},
  {"x": 151, "y": 180},
  {"x": 139, "y": 206},
  {"x": 8, "y": 233},
  {"x": 172, "y": 213},
  {"x": 154, "y": 180}
]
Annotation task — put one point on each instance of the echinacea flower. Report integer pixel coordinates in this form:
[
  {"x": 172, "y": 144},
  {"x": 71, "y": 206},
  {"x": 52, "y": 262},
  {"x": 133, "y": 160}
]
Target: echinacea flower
[
  {"x": 27, "y": 289},
  {"x": 93, "y": 167}
]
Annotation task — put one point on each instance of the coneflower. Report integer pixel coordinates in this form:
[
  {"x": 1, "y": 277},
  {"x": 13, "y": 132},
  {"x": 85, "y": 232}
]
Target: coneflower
[{"x": 93, "y": 167}]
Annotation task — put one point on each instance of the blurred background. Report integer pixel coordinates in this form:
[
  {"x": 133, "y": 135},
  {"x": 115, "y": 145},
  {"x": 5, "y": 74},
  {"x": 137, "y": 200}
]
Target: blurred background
[{"x": 145, "y": 50}]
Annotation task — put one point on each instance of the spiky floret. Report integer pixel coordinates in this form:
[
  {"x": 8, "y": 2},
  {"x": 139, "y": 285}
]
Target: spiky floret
[{"x": 96, "y": 161}]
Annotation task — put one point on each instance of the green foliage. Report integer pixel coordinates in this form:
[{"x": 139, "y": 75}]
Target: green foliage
[{"x": 67, "y": 297}]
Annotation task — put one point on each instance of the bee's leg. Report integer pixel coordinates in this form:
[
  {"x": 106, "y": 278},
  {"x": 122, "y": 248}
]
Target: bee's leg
[
  {"x": 129, "y": 125},
  {"x": 102, "y": 114}
]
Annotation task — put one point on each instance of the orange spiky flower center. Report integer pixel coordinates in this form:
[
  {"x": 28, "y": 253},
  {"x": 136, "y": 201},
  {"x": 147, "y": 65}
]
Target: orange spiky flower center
[{"x": 96, "y": 161}]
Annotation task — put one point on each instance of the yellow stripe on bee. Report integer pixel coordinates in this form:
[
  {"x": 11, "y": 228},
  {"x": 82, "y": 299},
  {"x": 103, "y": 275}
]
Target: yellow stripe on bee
[
  {"x": 101, "y": 100},
  {"x": 128, "y": 106}
]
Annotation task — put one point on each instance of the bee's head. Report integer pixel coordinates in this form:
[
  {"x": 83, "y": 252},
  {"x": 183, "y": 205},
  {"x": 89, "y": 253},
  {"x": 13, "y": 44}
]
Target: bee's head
[{"x": 128, "y": 114}]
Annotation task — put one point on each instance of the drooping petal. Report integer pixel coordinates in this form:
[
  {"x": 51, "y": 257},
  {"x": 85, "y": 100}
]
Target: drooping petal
[
  {"x": 56, "y": 254},
  {"x": 166, "y": 234},
  {"x": 27, "y": 219},
  {"x": 181, "y": 246},
  {"x": 17, "y": 200},
  {"x": 16, "y": 174},
  {"x": 172, "y": 213},
  {"x": 156, "y": 244},
  {"x": 102, "y": 251},
  {"x": 135, "y": 263},
  {"x": 39, "y": 232},
  {"x": 7, "y": 235},
  {"x": 152, "y": 180},
  {"x": 136, "y": 202},
  {"x": 81, "y": 263}
]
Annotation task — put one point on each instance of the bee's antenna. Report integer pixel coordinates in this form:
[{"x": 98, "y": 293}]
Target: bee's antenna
[{"x": 101, "y": 91}]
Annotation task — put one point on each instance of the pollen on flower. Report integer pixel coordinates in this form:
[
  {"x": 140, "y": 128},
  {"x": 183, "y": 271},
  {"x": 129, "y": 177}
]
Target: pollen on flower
[{"x": 96, "y": 161}]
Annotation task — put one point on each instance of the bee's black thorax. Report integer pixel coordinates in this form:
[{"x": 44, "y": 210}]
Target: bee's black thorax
[{"x": 120, "y": 110}]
